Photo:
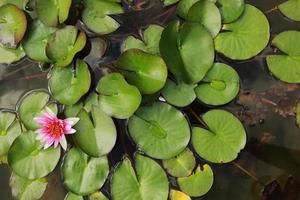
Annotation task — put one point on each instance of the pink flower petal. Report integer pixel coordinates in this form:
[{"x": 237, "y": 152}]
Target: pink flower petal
[
  {"x": 71, "y": 121},
  {"x": 63, "y": 142},
  {"x": 71, "y": 131}
]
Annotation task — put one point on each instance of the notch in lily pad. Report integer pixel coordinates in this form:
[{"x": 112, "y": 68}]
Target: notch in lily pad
[
  {"x": 231, "y": 10},
  {"x": 8, "y": 55},
  {"x": 145, "y": 71},
  {"x": 160, "y": 130}
]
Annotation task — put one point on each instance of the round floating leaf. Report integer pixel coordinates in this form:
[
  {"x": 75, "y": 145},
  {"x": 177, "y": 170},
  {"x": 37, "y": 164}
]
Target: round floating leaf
[
  {"x": 160, "y": 130},
  {"x": 28, "y": 159},
  {"x": 224, "y": 139},
  {"x": 187, "y": 50},
  {"x": 245, "y": 37},
  {"x": 20, "y": 3},
  {"x": 31, "y": 106},
  {"x": 151, "y": 40},
  {"x": 72, "y": 196},
  {"x": 291, "y": 8},
  {"x": 97, "y": 196},
  {"x": 116, "y": 97},
  {"x": 147, "y": 182},
  {"x": 181, "y": 165},
  {"x": 82, "y": 174},
  {"x": 179, "y": 94},
  {"x": 184, "y": 6},
  {"x": 96, "y": 15},
  {"x": 36, "y": 40},
  {"x": 145, "y": 71},
  {"x": 68, "y": 85},
  {"x": 13, "y": 25},
  {"x": 206, "y": 13},
  {"x": 8, "y": 56},
  {"x": 220, "y": 85},
  {"x": 63, "y": 45},
  {"x": 198, "y": 183},
  {"x": 178, "y": 195},
  {"x": 170, "y": 2},
  {"x": 286, "y": 67},
  {"x": 96, "y": 135},
  {"x": 24, "y": 189},
  {"x": 298, "y": 114},
  {"x": 231, "y": 10},
  {"x": 53, "y": 12},
  {"x": 10, "y": 129}
]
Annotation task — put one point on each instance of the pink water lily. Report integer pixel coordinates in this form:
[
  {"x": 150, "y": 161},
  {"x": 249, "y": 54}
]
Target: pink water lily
[{"x": 53, "y": 129}]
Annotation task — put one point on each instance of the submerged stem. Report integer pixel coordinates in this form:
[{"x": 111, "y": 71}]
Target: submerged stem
[{"x": 247, "y": 172}]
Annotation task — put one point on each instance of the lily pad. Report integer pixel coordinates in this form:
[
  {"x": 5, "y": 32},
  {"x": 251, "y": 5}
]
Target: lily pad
[
  {"x": 245, "y": 37},
  {"x": 291, "y": 8},
  {"x": 28, "y": 159},
  {"x": 179, "y": 94},
  {"x": 72, "y": 196},
  {"x": 178, "y": 195},
  {"x": 181, "y": 165},
  {"x": 82, "y": 174},
  {"x": 116, "y": 97},
  {"x": 188, "y": 50},
  {"x": 64, "y": 44},
  {"x": 97, "y": 196},
  {"x": 53, "y": 12},
  {"x": 199, "y": 183},
  {"x": 32, "y": 105},
  {"x": 36, "y": 40},
  {"x": 96, "y": 15},
  {"x": 298, "y": 114},
  {"x": 19, "y": 3},
  {"x": 206, "y": 13},
  {"x": 223, "y": 141},
  {"x": 145, "y": 71},
  {"x": 147, "y": 181},
  {"x": 68, "y": 85},
  {"x": 184, "y": 6},
  {"x": 96, "y": 135},
  {"x": 170, "y": 2},
  {"x": 220, "y": 85},
  {"x": 10, "y": 129},
  {"x": 286, "y": 67},
  {"x": 24, "y": 189},
  {"x": 8, "y": 55},
  {"x": 13, "y": 25},
  {"x": 160, "y": 130},
  {"x": 231, "y": 10},
  {"x": 150, "y": 43}
]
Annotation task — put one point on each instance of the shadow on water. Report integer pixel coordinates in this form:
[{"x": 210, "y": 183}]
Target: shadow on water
[{"x": 273, "y": 147}]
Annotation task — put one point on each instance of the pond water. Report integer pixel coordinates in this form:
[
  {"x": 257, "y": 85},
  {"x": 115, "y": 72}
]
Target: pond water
[{"x": 264, "y": 104}]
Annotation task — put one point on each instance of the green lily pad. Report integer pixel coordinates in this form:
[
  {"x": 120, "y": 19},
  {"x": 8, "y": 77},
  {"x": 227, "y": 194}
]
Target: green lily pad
[
  {"x": 170, "y": 2},
  {"x": 199, "y": 183},
  {"x": 64, "y": 44},
  {"x": 36, "y": 40},
  {"x": 19, "y": 3},
  {"x": 231, "y": 10},
  {"x": 28, "y": 159},
  {"x": 291, "y": 8},
  {"x": 82, "y": 174},
  {"x": 72, "y": 196},
  {"x": 24, "y": 189},
  {"x": 184, "y": 6},
  {"x": 150, "y": 44},
  {"x": 8, "y": 56},
  {"x": 223, "y": 141},
  {"x": 145, "y": 71},
  {"x": 96, "y": 15},
  {"x": 286, "y": 67},
  {"x": 181, "y": 165},
  {"x": 116, "y": 97},
  {"x": 68, "y": 85},
  {"x": 220, "y": 85},
  {"x": 13, "y": 25},
  {"x": 10, "y": 129},
  {"x": 96, "y": 135},
  {"x": 160, "y": 130},
  {"x": 97, "y": 196},
  {"x": 187, "y": 50},
  {"x": 32, "y": 105},
  {"x": 206, "y": 13},
  {"x": 73, "y": 110},
  {"x": 147, "y": 182},
  {"x": 245, "y": 37},
  {"x": 178, "y": 195},
  {"x": 179, "y": 94},
  {"x": 53, "y": 12},
  {"x": 298, "y": 114}
]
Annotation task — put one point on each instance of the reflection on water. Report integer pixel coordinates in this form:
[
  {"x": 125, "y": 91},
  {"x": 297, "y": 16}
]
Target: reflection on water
[{"x": 273, "y": 148}]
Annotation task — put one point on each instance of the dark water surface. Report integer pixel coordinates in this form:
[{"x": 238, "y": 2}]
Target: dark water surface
[{"x": 273, "y": 148}]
